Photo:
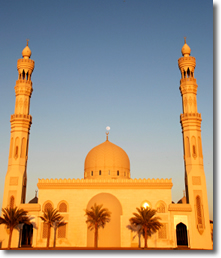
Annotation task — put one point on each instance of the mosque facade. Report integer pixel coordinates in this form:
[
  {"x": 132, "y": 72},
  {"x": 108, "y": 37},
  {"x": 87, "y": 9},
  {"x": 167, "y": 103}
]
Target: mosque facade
[{"x": 107, "y": 181}]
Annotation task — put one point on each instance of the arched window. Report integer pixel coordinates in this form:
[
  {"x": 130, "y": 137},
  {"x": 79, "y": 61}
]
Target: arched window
[
  {"x": 194, "y": 146},
  {"x": 62, "y": 231},
  {"x": 198, "y": 210},
  {"x": 161, "y": 208},
  {"x": 62, "y": 207},
  {"x": 48, "y": 206},
  {"x": 188, "y": 72},
  {"x": 16, "y": 148},
  {"x": 12, "y": 201}
]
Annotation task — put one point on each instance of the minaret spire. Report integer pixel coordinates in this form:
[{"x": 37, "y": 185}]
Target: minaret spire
[
  {"x": 21, "y": 120},
  {"x": 195, "y": 181}
]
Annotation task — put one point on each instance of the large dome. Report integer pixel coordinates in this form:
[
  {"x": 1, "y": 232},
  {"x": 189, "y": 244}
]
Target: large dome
[{"x": 107, "y": 160}]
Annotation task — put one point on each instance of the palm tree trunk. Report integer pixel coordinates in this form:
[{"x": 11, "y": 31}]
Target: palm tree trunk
[
  {"x": 95, "y": 235},
  {"x": 139, "y": 239},
  {"x": 10, "y": 238},
  {"x": 145, "y": 237},
  {"x": 49, "y": 231},
  {"x": 55, "y": 229}
]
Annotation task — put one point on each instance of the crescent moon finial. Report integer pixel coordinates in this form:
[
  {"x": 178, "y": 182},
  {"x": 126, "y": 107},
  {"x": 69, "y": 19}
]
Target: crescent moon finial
[{"x": 108, "y": 129}]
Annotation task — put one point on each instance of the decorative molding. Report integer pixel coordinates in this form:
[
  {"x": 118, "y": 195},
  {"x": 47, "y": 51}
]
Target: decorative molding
[
  {"x": 105, "y": 183},
  {"x": 190, "y": 115},
  {"x": 179, "y": 207},
  {"x": 21, "y": 116}
]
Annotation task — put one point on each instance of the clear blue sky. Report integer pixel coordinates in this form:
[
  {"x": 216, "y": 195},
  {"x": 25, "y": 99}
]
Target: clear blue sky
[{"x": 107, "y": 63}]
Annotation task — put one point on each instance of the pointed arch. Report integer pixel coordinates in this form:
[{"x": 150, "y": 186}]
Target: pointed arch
[
  {"x": 194, "y": 150},
  {"x": 16, "y": 150},
  {"x": 47, "y": 205},
  {"x": 110, "y": 235},
  {"x": 188, "y": 72},
  {"x": 198, "y": 210},
  {"x": 181, "y": 234},
  {"x": 62, "y": 206},
  {"x": 161, "y": 207}
]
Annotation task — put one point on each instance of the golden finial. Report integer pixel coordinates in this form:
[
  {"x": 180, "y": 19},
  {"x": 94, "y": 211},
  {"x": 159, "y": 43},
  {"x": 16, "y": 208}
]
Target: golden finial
[
  {"x": 184, "y": 40},
  {"x": 184, "y": 193},
  {"x": 27, "y": 41},
  {"x": 107, "y": 128}
]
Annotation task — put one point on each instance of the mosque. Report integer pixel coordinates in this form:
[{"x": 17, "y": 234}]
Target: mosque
[{"x": 107, "y": 181}]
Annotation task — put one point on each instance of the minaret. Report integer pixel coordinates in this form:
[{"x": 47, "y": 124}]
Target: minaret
[
  {"x": 16, "y": 177},
  {"x": 195, "y": 181}
]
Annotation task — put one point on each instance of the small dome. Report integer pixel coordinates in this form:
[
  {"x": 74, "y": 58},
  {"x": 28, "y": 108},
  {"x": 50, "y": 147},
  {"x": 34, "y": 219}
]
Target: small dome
[
  {"x": 186, "y": 50},
  {"x": 34, "y": 200},
  {"x": 26, "y": 53},
  {"x": 182, "y": 200},
  {"x": 107, "y": 160}
]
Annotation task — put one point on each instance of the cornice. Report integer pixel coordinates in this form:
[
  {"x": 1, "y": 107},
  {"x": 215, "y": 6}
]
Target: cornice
[{"x": 104, "y": 183}]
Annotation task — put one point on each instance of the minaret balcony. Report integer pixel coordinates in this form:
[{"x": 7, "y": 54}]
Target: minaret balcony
[
  {"x": 23, "y": 87},
  {"x": 25, "y": 63},
  {"x": 188, "y": 80},
  {"x": 190, "y": 115},
  {"x": 188, "y": 85},
  {"x": 21, "y": 81},
  {"x": 191, "y": 121},
  {"x": 21, "y": 117},
  {"x": 186, "y": 58}
]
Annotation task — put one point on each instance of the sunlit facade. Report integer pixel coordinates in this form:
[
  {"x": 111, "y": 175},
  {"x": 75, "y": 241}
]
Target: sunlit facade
[{"x": 107, "y": 180}]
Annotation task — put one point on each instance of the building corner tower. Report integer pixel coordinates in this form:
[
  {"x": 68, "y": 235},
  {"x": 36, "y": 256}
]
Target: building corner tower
[
  {"x": 16, "y": 177},
  {"x": 195, "y": 180}
]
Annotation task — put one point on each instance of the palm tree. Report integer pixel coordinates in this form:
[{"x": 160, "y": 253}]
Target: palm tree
[
  {"x": 147, "y": 220},
  {"x": 138, "y": 229},
  {"x": 49, "y": 217},
  {"x": 56, "y": 225},
  {"x": 97, "y": 217},
  {"x": 12, "y": 217}
]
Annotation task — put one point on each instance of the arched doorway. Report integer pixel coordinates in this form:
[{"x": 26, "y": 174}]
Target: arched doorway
[
  {"x": 181, "y": 234},
  {"x": 110, "y": 235},
  {"x": 27, "y": 234}
]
